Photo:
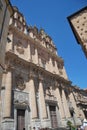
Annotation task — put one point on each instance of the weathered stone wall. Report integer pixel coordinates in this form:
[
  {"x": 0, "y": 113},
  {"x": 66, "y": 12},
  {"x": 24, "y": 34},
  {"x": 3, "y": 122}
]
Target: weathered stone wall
[{"x": 79, "y": 25}]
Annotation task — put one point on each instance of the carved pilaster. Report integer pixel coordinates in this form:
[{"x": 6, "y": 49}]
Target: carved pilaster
[
  {"x": 65, "y": 104},
  {"x": 59, "y": 101},
  {"x": 33, "y": 97},
  {"x": 42, "y": 99},
  {"x": 8, "y": 93}
]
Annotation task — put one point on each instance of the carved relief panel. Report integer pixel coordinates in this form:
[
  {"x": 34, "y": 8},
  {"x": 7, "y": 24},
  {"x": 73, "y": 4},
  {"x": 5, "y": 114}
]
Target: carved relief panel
[
  {"x": 43, "y": 58},
  {"x": 19, "y": 44},
  {"x": 19, "y": 47},
  {"x": 20, "y": 83},
  {"x": 21, "y": 98}
]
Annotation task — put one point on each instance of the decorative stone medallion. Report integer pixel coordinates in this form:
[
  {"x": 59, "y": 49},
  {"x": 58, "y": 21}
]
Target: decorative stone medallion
[{"x": 20, "y": 83}]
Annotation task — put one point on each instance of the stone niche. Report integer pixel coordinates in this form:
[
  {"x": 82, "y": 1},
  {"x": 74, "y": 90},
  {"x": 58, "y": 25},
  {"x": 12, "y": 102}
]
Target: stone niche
[{"x": 20, "y": 83}]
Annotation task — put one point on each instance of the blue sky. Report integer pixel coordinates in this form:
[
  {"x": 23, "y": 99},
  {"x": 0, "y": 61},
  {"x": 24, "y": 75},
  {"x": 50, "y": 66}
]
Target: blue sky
[{"x": 51, "y": 15}]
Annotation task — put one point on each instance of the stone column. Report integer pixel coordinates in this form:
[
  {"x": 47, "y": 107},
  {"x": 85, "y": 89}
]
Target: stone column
[
  {"x": 65, "y": 104},
  {"x": 42, "y": 100},
  {"x": 33, "y": 98},
  {"x": 60, "y": 105},
  {"x": 8, "y": 93}
]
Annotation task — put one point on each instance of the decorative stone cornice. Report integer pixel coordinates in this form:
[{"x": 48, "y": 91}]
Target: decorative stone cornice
[{"x": 15, "y": 60}]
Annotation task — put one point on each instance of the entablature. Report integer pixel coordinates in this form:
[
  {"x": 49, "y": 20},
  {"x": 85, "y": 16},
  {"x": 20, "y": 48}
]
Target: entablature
[{"x": 15, "y": 62}]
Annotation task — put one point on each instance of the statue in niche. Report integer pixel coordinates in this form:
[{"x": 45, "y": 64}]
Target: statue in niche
[
  {"x": 20, "y": 82},
  {"x": 19, "y": 48},
  {"x": 50, "y": 91},
  {"x": 42, "y": 34}
]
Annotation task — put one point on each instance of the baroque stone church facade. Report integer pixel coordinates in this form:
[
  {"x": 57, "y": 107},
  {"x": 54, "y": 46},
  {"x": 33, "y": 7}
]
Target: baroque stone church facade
[{"x": 36, "y": 92}]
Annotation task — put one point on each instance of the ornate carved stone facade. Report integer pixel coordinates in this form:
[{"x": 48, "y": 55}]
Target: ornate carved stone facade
[
  {"x": 78, "y": 23},
  {"x": 36, "y": 91}
]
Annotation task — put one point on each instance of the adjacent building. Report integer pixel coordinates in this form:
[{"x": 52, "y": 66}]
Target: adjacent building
[
  {"x": 78, "y": 23},
  {"x": 5, "y": 13},
  {"x": 36, "y": 92}
]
